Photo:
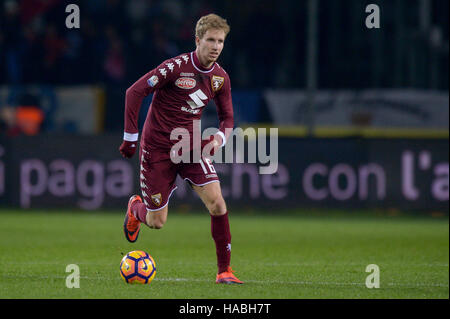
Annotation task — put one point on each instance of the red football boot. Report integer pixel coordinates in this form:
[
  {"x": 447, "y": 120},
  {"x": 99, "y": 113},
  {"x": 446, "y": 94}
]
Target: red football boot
[
  {"x": 227, "y": 277},
  {"x": 131, "y": 225}
]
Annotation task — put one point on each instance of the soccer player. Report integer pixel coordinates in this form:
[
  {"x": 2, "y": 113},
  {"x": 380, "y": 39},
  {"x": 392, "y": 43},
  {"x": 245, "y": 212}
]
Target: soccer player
[{"x": 181, "y": 87}]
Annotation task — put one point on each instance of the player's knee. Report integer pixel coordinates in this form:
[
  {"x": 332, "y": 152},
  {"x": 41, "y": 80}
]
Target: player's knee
[
  {"x": 156, "y": 224},
  {"x": 156, "y": 220},
  {"x": 216, "y": 206}
]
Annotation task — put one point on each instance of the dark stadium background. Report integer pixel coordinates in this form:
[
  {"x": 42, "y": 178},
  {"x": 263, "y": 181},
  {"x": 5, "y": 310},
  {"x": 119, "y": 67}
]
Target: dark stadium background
[
  {"x": 369, "y": 105},
  {"x": 363, "y": 127}
]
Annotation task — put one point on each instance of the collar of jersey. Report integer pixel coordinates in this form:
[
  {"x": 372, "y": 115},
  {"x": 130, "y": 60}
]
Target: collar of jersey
[{"x": 200, "y": 68}]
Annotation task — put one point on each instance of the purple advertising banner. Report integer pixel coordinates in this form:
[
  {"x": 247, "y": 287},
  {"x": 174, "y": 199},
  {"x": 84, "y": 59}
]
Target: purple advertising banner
[{"x": 87, "y": 172}]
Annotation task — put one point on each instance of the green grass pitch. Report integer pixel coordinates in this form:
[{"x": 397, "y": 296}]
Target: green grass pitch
[{"x": 278, "y": 256}]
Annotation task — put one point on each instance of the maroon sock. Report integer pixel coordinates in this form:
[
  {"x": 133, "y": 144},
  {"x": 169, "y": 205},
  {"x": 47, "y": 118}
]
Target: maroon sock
[
  {"x": 139, "y": 211},
  {"x": 220, "y": 230}
]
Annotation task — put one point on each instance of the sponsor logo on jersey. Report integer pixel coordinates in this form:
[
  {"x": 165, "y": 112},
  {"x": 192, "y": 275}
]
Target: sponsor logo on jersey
[
  {"x": 217, "y": 82},
  {"x": 197, "y": 99},
  {"x": 156, "y": 199},
  {"x": 153, "y": 81},
  {"x": 185, "y": 83},
  {"x": 185, "y": 109},
  {"x": 186, "y": 74}
]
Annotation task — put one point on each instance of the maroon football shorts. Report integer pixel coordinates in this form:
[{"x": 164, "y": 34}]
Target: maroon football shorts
[{"x": 158, "y": 174}]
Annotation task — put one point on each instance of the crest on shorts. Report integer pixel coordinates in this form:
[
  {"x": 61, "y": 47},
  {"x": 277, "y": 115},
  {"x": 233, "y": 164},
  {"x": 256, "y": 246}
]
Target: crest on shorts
[
  {"x": 156, "y": 199},
  {"x": 217, "y": 82}
]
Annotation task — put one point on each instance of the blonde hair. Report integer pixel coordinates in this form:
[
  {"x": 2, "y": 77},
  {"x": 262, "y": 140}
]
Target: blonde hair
[{"x": 211, "y": 21}]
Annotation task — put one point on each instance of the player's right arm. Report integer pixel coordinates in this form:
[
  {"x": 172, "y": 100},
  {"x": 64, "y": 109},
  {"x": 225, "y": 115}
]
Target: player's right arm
[{"x": 134, "y": 96}]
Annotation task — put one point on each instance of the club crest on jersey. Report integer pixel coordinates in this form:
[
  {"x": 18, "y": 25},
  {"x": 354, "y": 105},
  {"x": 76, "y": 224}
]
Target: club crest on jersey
[
  {"x": 153, "y": 81},
  {"x": 185, "y": 83},
  {"x": 156, "y": 199},
  {"x": 217, "y": 82}
]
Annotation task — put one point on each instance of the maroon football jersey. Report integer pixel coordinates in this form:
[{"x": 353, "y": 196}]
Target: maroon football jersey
[{"x": 182, "y": 88}]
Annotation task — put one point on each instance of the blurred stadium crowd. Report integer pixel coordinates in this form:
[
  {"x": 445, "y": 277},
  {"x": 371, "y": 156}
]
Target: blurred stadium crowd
[
  {"x": 37, "y": 46},
  {"x": 120, "y": 40}
]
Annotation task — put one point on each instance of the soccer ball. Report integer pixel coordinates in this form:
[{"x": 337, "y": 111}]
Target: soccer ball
[{"x": 137, "y": 267}]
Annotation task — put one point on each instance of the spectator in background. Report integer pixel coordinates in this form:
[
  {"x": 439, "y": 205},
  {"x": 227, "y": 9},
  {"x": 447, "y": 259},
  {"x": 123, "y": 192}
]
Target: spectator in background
[
  {"x": 114, "y": 62},
  {"x": 33, "y": 55},
  {"x": 29, "y": 115},
  {"x": 115, "y": 13},
  {"x": 32, "y": 10},
  {"x": 71, "y": 58},
  {"x": 161, "y": 47},
  {"x": 27, "y": 118},
  {"x": 54, "y": 47},
  {"x": 8, "y": 122},
  {"x": 13, "y": 42},
  {"x": 92, "y": 45},
  {"x": 266, "y": 20}
]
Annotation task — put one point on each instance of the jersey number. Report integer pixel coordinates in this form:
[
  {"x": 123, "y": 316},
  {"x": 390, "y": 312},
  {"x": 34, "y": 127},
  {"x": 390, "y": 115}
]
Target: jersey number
[{"x": 208, "y": 165}]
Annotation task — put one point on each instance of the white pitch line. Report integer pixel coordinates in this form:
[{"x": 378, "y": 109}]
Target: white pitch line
[
  {"x": 265, "y": 282},
  {"x": 275, "y": 264},
  {"x": 271, "y": 264},
  {"x": 300, "y": 283}
]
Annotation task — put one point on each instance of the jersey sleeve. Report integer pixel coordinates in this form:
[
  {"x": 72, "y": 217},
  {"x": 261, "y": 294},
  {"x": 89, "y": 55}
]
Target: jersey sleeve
[
  {"x": 147, "y": 84},
  {"x": 224, "y": 105}
]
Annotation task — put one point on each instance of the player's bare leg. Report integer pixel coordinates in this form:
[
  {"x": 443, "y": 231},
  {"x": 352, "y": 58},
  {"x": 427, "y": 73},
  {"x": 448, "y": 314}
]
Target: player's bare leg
[
  {"x": 156, "y": 219},
  {"x": 211, "y": 195},
  {"x": 137, "y": 213}
]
